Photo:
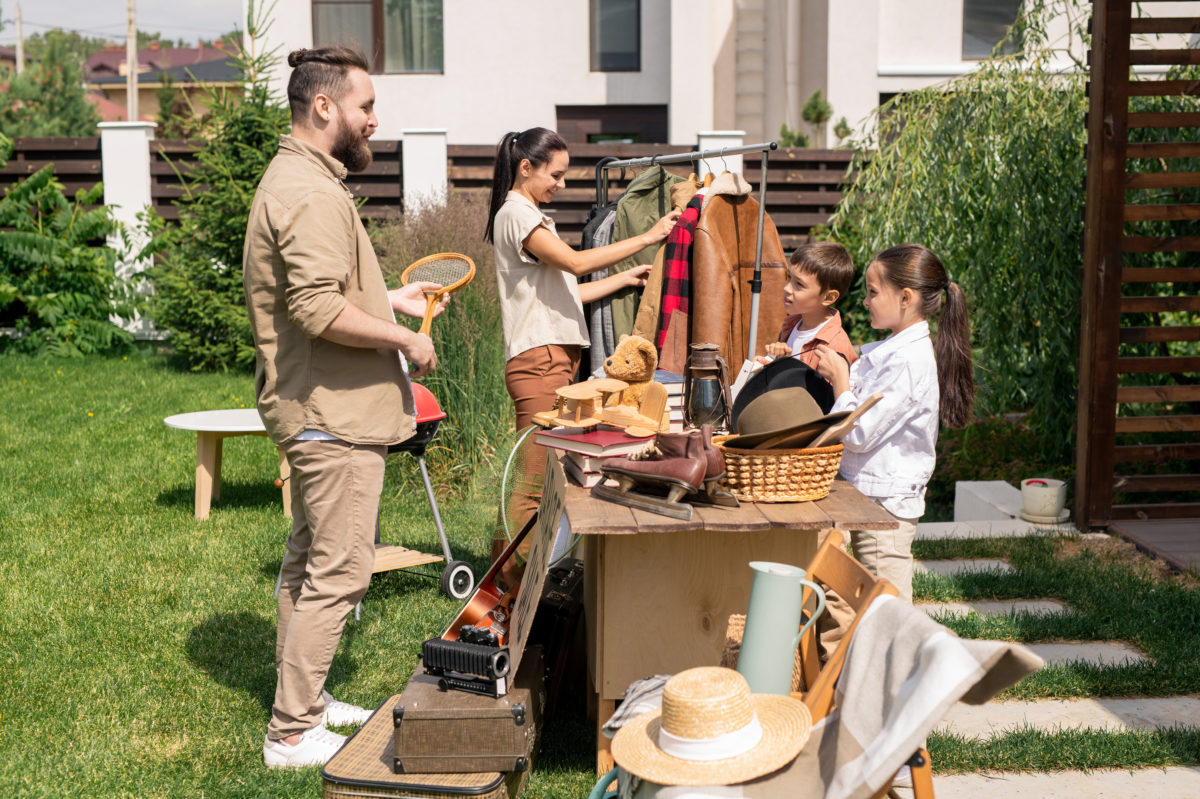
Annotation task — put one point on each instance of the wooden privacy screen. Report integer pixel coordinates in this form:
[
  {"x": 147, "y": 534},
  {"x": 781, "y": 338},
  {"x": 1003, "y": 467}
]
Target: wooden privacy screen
[{"x": 1139, "y": 369}]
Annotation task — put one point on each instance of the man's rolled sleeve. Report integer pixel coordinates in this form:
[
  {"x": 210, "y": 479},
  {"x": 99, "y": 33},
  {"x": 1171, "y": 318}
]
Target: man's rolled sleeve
[{"x": 318, "y": 256}]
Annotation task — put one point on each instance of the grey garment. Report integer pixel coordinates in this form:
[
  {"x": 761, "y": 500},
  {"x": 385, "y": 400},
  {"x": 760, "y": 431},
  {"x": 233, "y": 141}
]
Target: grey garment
[
  {"x": 599, "y": 313},
  {"x": 640, "y": 697}
]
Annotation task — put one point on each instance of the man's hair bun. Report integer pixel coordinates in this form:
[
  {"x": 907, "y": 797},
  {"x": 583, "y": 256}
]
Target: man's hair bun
[{"x": 296, "y": 57}]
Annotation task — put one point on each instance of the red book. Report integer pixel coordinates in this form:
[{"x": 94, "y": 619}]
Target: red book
[{"x": 592, "y": 442}]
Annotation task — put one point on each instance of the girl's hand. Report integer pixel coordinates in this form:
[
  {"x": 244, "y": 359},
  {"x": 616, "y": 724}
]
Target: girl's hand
[
  {"x": 833, "y": 367},
  {"x": 410, "y": 300},
  {"x": 778, "y": 349},
  {"x": 635, "y": 277},
  {"x": 663, "y": 227}
]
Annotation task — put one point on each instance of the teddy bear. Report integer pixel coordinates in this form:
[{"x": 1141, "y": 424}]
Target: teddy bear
[{"x": 633, "y": 362}]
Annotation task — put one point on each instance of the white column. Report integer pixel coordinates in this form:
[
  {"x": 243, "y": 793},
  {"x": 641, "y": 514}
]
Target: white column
[
  {"x": 424, "y": 166},
  {"x": 691, "y": 84},
  {"x": 125, "y": 170},
  {"x": 715, "y": 140},
  {"x": 853, "y": 62}
]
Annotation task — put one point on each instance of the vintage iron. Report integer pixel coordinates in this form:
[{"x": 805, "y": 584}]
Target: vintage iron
[{"x": 706, "y": 388}]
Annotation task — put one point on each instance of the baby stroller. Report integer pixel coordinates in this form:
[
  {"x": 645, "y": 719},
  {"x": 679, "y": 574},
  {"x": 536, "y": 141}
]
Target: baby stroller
[{"x": 457, "y": 578}]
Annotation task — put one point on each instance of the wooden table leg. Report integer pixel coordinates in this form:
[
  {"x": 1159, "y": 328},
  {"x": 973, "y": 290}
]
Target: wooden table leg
[
  {"x": 604, "y": 758},
  {"x": 285, "y": 471},
  {"x": 208, "y": 445}
]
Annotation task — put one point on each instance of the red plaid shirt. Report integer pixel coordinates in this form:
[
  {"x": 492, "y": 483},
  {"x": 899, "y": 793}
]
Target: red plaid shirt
[{"x": 677, "y": 267}]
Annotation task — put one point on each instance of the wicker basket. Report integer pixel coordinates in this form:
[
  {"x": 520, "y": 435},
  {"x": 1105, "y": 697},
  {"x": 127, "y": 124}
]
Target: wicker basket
[{"x": 779, "y": 475}]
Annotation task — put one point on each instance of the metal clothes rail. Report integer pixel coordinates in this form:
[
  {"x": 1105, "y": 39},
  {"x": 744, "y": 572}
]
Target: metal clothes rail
[{"x": 765, "y": 148}]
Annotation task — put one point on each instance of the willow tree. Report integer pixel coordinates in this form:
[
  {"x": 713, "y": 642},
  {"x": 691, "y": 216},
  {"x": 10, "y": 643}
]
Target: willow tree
[{"x": 987, "y": 170}]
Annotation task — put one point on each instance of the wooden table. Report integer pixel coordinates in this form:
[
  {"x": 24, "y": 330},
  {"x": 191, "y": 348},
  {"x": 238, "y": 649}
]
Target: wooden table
[
  {"x": 658, "y": 591},
  {"x": 212, "y": 428}
]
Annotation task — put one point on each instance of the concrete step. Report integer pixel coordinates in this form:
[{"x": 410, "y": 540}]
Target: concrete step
[
  {"x": 991, "y": 718},
  {"x": 1100, "y": 784},
  {"x": 949, "y": 568},
  {"x": 986, "y": 499},
  {"x": 989, "y": 607},
  {"x": 1103, "y": 653}
]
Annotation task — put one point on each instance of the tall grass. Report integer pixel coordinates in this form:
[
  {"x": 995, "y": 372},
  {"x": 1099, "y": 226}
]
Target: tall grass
[{"x": 469, "y": 381}]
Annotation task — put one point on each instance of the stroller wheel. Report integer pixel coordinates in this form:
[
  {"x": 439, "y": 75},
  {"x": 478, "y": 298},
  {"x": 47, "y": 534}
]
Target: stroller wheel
[{"x": 457, "y": 580}]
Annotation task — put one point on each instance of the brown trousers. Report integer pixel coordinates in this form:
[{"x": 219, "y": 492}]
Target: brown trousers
[
  {"x": 326, "y": 569},
  {"x": 532, "y": 378}
]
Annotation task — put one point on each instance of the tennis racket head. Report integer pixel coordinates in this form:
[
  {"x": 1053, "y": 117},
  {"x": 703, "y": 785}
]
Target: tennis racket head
[{"x": 450, "y": 270}]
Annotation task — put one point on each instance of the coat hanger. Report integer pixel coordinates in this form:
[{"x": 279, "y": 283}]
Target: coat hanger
[{"x": 723, "y": 163}]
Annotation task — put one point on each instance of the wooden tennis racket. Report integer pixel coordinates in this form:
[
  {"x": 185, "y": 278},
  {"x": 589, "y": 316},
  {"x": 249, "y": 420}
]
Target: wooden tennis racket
[{"x": 450, "y": 270}]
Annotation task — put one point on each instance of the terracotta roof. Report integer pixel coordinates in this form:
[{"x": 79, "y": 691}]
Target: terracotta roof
[{"x": 109, "y": 110}]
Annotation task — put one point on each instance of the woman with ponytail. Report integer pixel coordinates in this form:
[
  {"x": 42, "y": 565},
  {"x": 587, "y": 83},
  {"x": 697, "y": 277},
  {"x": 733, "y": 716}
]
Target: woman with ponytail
[
  {"x": 889, "y": 456},
  {"x": 541, "y": 300}
]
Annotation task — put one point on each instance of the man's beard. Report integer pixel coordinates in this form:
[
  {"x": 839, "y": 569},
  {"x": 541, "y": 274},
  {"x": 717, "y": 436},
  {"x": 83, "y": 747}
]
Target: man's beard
[{"x": 350, "y": 149}]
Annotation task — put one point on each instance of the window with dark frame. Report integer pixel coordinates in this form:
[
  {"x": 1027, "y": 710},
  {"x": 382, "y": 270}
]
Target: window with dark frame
[
  {"x": 615, "y": 35},
  {"x": 985, "y": 23},
  {"x": 397, "y": 36}
]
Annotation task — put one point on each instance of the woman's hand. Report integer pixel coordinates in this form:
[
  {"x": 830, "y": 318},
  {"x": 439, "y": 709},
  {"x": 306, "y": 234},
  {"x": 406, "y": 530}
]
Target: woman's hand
[
  {"x": 663, "y": 227},
  {"x": 635, "y": 277},
  {"x": 410, "y": 300},
  {"x": 833, "y": 367}
]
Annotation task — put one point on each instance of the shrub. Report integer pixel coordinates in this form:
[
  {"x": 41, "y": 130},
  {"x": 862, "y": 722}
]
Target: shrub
[
  {"x": 987, "y": 171},
  {"x": 198, "y": 293},
  {"x": 469, "y": 380},
  {"x": 58, "y": 282}
]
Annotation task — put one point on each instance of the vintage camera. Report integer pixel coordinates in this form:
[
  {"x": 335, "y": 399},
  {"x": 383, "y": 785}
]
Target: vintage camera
[
  {"x": 482, "y": 636},
  {"x": 463, "y": 666}
]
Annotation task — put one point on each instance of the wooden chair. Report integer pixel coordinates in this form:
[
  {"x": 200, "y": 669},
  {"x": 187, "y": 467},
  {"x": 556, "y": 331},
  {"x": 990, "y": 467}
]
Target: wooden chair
[{"x": 833, "y": 568}]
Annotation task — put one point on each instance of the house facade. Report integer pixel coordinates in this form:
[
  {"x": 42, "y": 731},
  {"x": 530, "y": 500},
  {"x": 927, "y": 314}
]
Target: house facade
[{"x": 650, "y": 70}]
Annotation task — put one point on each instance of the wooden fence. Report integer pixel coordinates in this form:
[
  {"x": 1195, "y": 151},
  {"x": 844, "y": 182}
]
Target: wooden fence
[{"x": 804, "y": 186}]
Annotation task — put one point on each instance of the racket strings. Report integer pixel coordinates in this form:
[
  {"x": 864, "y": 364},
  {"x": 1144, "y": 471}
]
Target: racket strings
[{"x": 444, "y": 272}]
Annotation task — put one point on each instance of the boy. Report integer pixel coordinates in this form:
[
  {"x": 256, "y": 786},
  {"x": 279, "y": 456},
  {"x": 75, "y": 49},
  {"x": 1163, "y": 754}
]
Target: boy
[{"x": 819, "y": 274}]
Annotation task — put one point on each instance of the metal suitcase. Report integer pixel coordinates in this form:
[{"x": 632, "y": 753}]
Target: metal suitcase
[
  {"x": 460, "y": 732},
  {"x": 362, "y": 769}
]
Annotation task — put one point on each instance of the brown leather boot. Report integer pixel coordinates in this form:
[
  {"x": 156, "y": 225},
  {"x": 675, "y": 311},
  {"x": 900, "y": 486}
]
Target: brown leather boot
[{"x": 678, "y": 459}]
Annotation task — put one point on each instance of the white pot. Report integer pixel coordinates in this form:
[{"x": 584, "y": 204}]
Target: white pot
[{"x": 1043, "y": 496}]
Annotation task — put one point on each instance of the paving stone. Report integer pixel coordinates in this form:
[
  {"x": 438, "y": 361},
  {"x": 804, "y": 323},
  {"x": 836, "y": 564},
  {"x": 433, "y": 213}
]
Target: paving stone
[
  {"x": 953, "y": 567},
  {"x": 1105, "y": 653},
  {"x": 1008, "y": 528},
  {"x": 986, "y": 720},
  {"x": 989, "y": 607},
  {"x": 1099, "y": 784},
  {"x": 985, "y": 499}
]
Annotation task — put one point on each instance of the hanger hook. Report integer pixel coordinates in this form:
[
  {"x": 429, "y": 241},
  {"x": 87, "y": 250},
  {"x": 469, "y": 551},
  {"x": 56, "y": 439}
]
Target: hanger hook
[{"x": 723, "y": 163}]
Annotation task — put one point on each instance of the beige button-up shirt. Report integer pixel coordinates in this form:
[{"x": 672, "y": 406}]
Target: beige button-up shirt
[{"x": 307, "y": 254}]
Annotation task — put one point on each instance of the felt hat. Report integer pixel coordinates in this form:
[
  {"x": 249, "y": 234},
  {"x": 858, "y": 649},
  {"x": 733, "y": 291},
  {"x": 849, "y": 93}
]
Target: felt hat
[
  {"x": 711, "y": 730},
  {"x": 790, "y": 411},
  {"x": 783, "y": 373}
]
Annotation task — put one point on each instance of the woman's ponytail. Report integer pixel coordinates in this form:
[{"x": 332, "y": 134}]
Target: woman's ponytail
[
  {"x": 956, "y": 370},
  {"x": 912, "y": 266},
  {"x": 536, "y": 144}
]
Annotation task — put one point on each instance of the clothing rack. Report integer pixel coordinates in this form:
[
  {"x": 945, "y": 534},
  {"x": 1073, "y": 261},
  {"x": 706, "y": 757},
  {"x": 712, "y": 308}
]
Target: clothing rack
[{"x": 765, "y": 148}]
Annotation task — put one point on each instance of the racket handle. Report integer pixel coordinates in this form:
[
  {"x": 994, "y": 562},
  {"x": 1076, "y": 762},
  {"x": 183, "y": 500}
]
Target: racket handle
[{"x": 431, "y": 299}]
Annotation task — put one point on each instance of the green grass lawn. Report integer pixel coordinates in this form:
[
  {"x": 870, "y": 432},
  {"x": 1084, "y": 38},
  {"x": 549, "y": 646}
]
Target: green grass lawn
[{"x": 136, "y": 643}]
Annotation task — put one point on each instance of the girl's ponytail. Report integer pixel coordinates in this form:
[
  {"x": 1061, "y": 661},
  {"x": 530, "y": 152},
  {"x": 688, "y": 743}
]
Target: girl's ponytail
[
  {"x": 912, "y": 266},
  {"x": 536, "y": 144},
  {"x": 952, "y": 348}
]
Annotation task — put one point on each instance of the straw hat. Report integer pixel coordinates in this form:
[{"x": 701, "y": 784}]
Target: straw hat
[{"x": 712, "y": 731}]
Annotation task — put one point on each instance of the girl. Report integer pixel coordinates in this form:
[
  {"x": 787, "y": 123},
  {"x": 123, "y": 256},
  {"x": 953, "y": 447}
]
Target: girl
[
  {"x": 889, "y": 456},
  {"x": 541, "y": 302}
]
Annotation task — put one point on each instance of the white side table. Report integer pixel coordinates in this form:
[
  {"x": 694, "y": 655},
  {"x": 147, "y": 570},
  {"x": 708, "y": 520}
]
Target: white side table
[{"x": 212, "y": 428}]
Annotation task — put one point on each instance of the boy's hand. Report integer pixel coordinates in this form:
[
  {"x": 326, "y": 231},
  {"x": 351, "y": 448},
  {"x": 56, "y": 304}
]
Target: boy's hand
[
  {"x": 833, "y": 367},
  {"x": 778, "y": 349}
]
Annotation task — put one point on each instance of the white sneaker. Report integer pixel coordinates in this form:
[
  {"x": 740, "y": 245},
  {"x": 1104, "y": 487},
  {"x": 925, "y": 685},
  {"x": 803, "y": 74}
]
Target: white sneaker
[
  {"x": 340, "y": 714},
  {"x": 315, "y": 747}
]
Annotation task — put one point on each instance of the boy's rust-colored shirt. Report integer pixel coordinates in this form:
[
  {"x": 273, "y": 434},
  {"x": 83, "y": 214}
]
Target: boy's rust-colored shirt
[
  {"x": 831, "y": 333},
  {"x": 307, "y": 254}
]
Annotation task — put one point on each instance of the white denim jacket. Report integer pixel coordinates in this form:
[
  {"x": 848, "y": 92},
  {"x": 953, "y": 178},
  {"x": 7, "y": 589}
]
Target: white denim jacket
[{"x": 890, "y": 454}]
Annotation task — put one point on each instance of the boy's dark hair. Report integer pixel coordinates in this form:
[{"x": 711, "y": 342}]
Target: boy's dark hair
[
  {"x": 321, "y": 70},
  {"x": 828, "y": 261}
]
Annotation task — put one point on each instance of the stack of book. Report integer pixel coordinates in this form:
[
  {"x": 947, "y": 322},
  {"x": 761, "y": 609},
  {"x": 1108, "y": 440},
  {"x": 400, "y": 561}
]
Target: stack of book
[
  {"x": 674, "y": 384},
  {"x": 586, "y": 450}
]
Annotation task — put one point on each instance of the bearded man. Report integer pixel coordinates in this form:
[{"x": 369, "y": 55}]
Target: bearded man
[{"x": 331, "y": 382}]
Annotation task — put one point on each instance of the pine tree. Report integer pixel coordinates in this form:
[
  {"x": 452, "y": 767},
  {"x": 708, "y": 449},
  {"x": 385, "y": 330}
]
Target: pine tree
[{"x": 48, "y": 98}]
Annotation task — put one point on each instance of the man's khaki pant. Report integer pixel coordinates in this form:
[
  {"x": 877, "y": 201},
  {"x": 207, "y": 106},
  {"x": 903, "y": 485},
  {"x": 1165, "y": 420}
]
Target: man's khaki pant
[{"x": 326, "y": 570}]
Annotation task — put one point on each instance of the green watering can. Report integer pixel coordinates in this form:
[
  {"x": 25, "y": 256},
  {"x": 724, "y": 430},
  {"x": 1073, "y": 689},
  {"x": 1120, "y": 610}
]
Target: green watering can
[{"x": 770, "y": 639}]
